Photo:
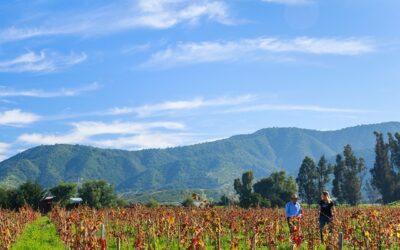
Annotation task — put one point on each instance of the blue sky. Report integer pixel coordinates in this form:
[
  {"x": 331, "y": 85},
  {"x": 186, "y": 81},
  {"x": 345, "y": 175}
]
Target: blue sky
[{"x": 160, "y": 73}]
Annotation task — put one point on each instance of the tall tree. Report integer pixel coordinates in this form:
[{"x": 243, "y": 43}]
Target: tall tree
[
  {"x": 276, "y": 188},
  {"x": 244, "y": 188},
  {"x": 29, "y": 193},
  {"x": 337, "y": 183},
  {"x": 307, "y": 180},
  {"x": 98, "y": 194},
  {"x": 383, "y": 175},
  {"x": 324, "y": 170},
  {"x": 352, "y": 182}
]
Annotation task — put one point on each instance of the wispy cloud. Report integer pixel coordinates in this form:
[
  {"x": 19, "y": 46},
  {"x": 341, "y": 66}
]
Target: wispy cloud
[
  {"x": 134, "y": 134},
  {"x": 37, "y": 93},
  {"x": 17, "y": 117},
  {"x": 154, "y": 14},
  {"x": 196, "y": 103},
  {"x": 43, "y": 62},
  {"x": 289, "y": 2},
  {"x": 304, "y": 108},
  {"x": 258, "y": 49}
]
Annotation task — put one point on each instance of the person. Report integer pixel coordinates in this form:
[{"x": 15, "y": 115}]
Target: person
[
  {"x": 326, "y": 213},
  {"x": 293, "y": 211}
]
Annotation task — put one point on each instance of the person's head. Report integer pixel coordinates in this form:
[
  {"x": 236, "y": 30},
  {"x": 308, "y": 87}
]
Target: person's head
[
  {"x": 326, "y": 197},
  {"x": 294, "y": 198}
]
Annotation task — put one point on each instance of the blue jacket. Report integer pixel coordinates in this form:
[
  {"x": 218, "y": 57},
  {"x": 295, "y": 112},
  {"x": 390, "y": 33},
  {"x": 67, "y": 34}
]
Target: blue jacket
[{"x": 293, "y": 209}]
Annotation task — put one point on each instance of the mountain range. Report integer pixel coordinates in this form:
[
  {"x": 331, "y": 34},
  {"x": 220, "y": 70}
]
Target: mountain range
[{"x": 208, "y": 166}]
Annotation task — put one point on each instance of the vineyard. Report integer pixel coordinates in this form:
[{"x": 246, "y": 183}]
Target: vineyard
[
  {"x": 12, "y": 224},
  {"x": 218, "y": 228}
]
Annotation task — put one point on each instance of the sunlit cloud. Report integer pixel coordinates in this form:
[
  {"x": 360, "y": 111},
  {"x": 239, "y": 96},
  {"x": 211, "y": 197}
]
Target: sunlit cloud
[
  {"x": 257, "y": 49},
  {"x": 4, "y": 150},
  {"x": 38, "y": 93},
  {"x": 17, "y": 117},
  {"x": 153, "y": 14},
  {"x": 196, "y": 103},
  {"x": 43, "y": 62},
  {"x": 299, "y": 108},
  {"x": 130, "y": 134}
]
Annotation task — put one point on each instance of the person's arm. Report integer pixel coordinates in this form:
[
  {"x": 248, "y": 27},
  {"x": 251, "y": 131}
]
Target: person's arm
[
  {"x": 287, "y": 210},
  {"x": 300, "y": 212}
]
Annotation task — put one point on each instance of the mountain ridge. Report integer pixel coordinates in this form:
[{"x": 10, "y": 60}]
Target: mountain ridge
[{"x": 208, "y": 165}]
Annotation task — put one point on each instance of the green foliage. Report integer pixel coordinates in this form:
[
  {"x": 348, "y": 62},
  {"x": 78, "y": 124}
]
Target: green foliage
[
  {"x": 63, "y": 192},
  {"x": 324, "y": 170},
  {"x": 385, "y": 173},
  {"x": 348, "y": 177},
  {"x": 244, "y": 189},
  {"x": 152, "y": 204},
  {"x": 39, "y": 235},
  {"x": 30, "y": 193},
  {"x": 277, "y": 188},
  {"x": 188, "y": 202},
  {"x": 98, "y": 194},
  {"x": 226, "y": 201},
  {"x": 212, "y": 165},
  {"x": 307, "y": 180}
]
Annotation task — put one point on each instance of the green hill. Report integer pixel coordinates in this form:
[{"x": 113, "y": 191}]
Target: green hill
[{"x": 211, "y": 165}]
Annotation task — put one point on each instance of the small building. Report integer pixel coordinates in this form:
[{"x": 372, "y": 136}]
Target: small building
[
  {"x": 46, "y": 204},
  {"x": 74, "y": 202}
]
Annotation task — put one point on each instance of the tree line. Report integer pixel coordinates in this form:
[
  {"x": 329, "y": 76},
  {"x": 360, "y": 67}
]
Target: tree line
[
  {"x": 347, "y": 178},
  {"x": 96, "y": 194}
]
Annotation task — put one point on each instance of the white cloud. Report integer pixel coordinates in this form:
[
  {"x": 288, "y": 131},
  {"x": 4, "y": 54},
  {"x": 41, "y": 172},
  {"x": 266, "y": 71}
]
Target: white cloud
[
  {"x": 143, "y": 141},
  {"x": 84, "y": 133},
  {"x": 289, "y": 2},
  {"x": 16, "y": 117},
  {"x": 43, "y": 61},
  {"x": 154, "y": 14},
  {"x": 257, "y": 49},
  {"x": 8, "y": 92},
  {"x": 306, "y": 108},
  {"x": 4, "y": 150},
  {"x": 195, "y": 103}
]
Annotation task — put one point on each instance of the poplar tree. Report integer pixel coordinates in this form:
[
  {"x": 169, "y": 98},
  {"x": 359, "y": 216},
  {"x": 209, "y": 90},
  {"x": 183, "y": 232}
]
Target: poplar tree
[
  {"x": 323, "y": 171},
  {"x": 383, "y": 175},
  {"x": 307, "y": 181}
]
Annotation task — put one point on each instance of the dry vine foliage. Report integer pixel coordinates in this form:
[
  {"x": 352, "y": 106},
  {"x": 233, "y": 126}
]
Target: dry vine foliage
[
  {"x": 12, "y": 223},
  {"x": 228, "y": 228}
]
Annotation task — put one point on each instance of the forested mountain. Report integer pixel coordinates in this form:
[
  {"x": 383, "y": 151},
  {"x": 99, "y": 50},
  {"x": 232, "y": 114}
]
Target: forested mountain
[{"x": 211, "y": 165}]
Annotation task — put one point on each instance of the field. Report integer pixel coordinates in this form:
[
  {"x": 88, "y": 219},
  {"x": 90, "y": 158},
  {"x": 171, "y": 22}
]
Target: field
[
  {"x": 223, "y": 228},
  {"x": 12, "y": 224}
]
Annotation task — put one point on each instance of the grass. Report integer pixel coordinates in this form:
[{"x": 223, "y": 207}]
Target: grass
[{"x": 40, "y": 234}]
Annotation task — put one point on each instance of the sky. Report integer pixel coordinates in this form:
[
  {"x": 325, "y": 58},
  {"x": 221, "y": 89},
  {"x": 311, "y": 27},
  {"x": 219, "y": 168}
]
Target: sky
[{"x": 163, "y": 73}]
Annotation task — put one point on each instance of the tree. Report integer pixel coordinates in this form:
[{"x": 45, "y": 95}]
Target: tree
[
  {"x": 337, "y": 183},
  {"x": 29, "y": 193},
  {"x": 244, "y": 189},
  {"x": 188, "y": 202},
  {"x": 277, "y": 188},
  {"x": 152, "y": 203},
  {"x": 324, "y": 170},
  {"x": 63, "y": 192},
  {"x": 307, "y": 181},
  {"x": 226, "y": 201},
  {"x": 383, "y": 175},
  {"x": 348, "y": 177},
  {"x": 3, "y": 198},
  {"x": 98, "y": 194}
]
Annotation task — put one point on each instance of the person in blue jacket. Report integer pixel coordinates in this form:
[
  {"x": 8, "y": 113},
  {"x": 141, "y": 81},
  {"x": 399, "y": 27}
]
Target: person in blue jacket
[{"x": 293, "y": 211}]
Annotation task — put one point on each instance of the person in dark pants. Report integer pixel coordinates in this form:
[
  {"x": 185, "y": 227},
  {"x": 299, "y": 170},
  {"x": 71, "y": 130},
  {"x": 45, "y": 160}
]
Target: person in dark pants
[{"x": 326, "y": 213}]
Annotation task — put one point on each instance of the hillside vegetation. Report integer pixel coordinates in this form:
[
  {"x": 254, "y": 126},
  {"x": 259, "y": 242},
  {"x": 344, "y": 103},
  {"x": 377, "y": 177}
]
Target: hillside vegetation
[{"x": 211, "y": 166}]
